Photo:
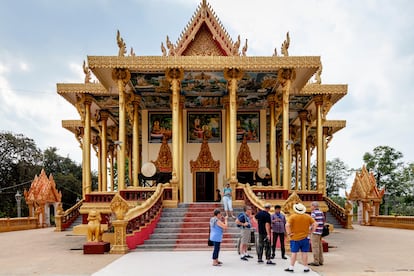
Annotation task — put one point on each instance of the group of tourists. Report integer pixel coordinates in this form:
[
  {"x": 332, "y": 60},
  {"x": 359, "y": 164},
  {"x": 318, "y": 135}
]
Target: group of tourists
[{"x": 302, "y": 231}]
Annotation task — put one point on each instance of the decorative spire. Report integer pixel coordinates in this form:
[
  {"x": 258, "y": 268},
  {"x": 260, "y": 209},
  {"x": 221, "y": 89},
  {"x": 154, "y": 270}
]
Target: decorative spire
[
  {"x": 285, "y": 46},
  {"x": 87, "y": 72},
  {"x": 121, "y": 45}
]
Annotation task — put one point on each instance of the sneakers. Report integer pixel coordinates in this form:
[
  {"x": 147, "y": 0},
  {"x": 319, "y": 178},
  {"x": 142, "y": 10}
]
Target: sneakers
[
  {"x": 289, "y": 270},
  {"x": 284, "y": 258},
  {"x": 244, "y": 258},
  {"x": 269, "y": 262},
  {"x": 313, "y": 264},
  {"x": 260, "y": 261},
  {"x": 248, "y": 256},
  {"x": 306, "y": 270},
  {"x": 273, "y": 256}
]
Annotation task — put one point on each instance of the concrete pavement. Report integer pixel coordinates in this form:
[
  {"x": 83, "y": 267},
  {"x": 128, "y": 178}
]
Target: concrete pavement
[{"x": 362, "y": 251}]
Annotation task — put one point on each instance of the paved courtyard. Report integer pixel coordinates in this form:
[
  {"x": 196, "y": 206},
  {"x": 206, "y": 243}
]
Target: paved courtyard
[{"x": 362, "y": 251}]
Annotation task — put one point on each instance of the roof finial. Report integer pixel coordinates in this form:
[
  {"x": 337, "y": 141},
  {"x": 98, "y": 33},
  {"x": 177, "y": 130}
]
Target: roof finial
[
  {"x": 204, "y": 3},
  {"x": 121, "y": 44},
  {"x": 87, "y": 72},
  {"x": 285, "y": 46}
]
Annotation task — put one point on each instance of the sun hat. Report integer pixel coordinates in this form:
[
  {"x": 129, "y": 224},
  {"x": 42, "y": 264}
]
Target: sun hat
[
  {"x": 299, "y": 208},
  {"x": 267, "y": 205}
]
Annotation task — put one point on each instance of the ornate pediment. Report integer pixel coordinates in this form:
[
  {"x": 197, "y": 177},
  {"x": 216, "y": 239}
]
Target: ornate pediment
[
  {"x": 245, "y": 161},
  {"x": 365, "y": 187},
  {"x": 290, "y": 201},
  {"x": 204, "y": 35},
  {"x": 205, "y": 161},
  {"x": 43, "y": 190},
  {"x": 164, "y": 160}
]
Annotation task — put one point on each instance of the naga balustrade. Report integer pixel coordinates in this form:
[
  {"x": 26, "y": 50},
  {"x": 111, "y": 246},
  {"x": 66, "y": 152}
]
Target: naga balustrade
[
  {"x": 338, "y": 212},
  {"x": 64, "y": 220},
  {"x": 14, "y": 224}
]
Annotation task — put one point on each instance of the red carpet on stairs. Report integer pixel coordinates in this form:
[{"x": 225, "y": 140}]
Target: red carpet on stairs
[{"x": 195, "y": 229}]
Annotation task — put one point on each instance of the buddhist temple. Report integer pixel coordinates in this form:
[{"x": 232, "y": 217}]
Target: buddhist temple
[{"x": 203, "y": 113}]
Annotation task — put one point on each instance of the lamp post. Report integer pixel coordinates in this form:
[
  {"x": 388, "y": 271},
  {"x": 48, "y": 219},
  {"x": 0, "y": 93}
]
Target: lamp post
[{"x": 18, "y": 197}]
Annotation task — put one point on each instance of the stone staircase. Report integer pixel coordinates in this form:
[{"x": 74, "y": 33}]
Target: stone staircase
[
  {"x": 332, "y": 220},
  {"x": 76, "y": 222},
  {"x": 187, "y": 228}
]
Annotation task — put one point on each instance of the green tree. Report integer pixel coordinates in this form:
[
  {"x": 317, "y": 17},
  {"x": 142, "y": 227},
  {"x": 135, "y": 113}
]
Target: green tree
[
  {"x": 337, "y": 172},
  {"x": 20, "y": 161},
  {"x": 67, "y": 175},
  {"x": 385, "y": 163}
]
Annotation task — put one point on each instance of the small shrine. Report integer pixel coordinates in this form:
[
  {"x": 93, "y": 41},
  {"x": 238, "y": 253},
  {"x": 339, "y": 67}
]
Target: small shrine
[
  {"x": 43, "y": 199},
  {"x": 367, "y": 195}
]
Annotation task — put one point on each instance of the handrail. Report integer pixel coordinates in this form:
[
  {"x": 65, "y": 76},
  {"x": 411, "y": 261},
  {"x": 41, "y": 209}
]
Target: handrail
[
  {"x": 14, "y": 224},
  {"x": 339, "y": 213},
  {"x": 64, "y": 219},
  {"x": 402, "y": 222},
  {"x": 250, "y": 198}
]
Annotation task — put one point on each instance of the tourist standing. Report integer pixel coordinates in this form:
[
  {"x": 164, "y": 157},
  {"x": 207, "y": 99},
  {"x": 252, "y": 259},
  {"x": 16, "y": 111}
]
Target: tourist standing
[
  {"x": 278, "y": 231},
  {"x": 298, "y": 228},
  {"x": 243, "y": 222},
  {"x": 263, "y": 222},
  {"x": 217, "y": 226},
  {"x": 316, "y": 237},
  {"x": 227, "y": 202}
]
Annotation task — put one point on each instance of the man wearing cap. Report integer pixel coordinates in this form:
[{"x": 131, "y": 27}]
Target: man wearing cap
[
  {"x": 263, "y": 222},
  {"x": 298, "y": 228}
]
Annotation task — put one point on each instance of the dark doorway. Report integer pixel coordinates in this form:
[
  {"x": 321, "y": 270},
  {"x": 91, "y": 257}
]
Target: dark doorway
[{"x": 204, "y": 187}]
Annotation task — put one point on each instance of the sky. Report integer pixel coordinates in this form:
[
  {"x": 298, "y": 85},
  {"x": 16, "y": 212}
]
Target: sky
[{"x": 367, "y": 44}]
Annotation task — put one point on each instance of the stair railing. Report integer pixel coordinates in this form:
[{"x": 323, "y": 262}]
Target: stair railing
[
  {"x": 341, "y": 214},
  {"x": 250, "y": 198},
  {"x": 64, "y": 219}
]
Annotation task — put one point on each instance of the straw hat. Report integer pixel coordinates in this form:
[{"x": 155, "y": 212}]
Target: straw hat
[{"x": 299, "y": 208}]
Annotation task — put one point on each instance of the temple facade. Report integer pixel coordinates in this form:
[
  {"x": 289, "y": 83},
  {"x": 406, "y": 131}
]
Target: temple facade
[{"x": 203, "y": 113}]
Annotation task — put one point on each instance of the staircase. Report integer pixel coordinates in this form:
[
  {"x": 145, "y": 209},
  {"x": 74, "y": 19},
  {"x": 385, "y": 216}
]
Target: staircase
[
  {"x": 77, "y": 221},
  {"x": 332, "y": 220},
  {"x": 187, "y": 228}
]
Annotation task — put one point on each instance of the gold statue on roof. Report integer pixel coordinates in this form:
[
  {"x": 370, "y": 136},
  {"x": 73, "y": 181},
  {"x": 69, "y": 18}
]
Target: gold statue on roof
[
  {"x": 170, "y": 46},
  {"x": 87, "y": 72},
  {"x": 163, "y": 50},
  {"x": 121, "y": 44},
  {"x": 318, "y": 73},
  {"x": 244, "y": 50},
  {"x": 236, "y": 46},
  {"x": 285, "y": 45}
]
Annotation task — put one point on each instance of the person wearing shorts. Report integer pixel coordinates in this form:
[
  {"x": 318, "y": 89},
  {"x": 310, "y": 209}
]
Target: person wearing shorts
[
  {"x": 298, "y": 228},
  {"x": 227, "y": 202},
  {"x": 243, "y": 222}
]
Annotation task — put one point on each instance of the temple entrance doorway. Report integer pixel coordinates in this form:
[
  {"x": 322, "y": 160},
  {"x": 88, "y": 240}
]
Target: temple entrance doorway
[{"x": 204, "y": 186}]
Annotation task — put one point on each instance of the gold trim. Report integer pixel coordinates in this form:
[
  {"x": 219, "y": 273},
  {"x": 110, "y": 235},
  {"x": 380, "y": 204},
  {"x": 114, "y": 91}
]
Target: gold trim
[
  {"x": 313, "y": 89},
  {"x": 82, "y": 88}
]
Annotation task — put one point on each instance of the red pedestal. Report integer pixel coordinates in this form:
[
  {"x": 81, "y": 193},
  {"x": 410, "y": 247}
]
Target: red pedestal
[{"x": 96, "y": 247}]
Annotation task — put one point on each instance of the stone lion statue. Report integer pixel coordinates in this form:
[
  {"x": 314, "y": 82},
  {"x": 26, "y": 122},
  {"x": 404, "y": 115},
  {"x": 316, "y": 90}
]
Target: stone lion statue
[{"x": 94, "y": 226}]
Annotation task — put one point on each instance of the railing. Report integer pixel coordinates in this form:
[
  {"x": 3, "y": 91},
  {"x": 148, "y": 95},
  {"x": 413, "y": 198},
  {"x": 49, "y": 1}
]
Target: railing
[
  {"x": 65, "y": 219},
  {"x": 137, "y": 195},
  {"x": 100, "y": 197},
  {"x": 339, "y": 213},
  {"x": 403, "y": 222},
  {"x": 310, "y": 195},
  {"x": 245, "y": 192},
  {"x": 14, "y": 224}
]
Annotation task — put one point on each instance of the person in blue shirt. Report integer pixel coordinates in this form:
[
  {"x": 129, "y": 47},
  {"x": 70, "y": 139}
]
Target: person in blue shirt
[
  {"x": 244, "y": 223},
  {"x": 278, "y": 231},
  {"x": 217, "y": 227},
  {"x": 227, "y": 202},
  {"x": 316, "y": 236}
]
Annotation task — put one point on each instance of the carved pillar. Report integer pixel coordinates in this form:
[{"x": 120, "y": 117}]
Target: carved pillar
[
  {"x": 319, "y": 155},
  {"x": 285, "y": 77},
  {"x": 278, "y": 153},
  {"x": 272, "y": 142},
  {"x": 122, "y": 77},
  {"x": 104, "y": 149},
  {"x": 327, "y": 136},
  {"x": 135, "y": 140},
  {"x": 303, "y": 115},
  {"x": 87, "y": 101},
  {"x": 174, "y": 76},
  {"x": 232, "y": 75}
]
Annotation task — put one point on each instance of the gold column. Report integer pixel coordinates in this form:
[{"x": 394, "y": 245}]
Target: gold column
[
  {"x": 122, "y": 76},
  {"x": 303, "y": 115},
  {"x": 319, "y": 155},
  {"x": 285, "y": 77},
  {"x": 181, "y": 148},
  {"x": 297, "y": 149},
  {"x": 272, "y": 143},
  {"x": 278, "y": 151},
  {"x": 309, "y": 145},
  {"x": 87, "y": 145},
  {"x": 135, "y": 141},
  {"x": 227, "y": 141},
  {"x": 232, "y": 75},
  {"x": 104, "y": 149},
  {"x": 327, "y": 136},
  {"x": 111, "y": 168},
  {"x": 174, "y": 76}
]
